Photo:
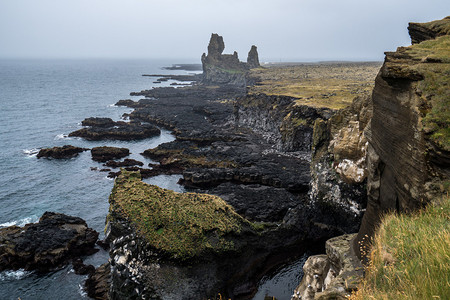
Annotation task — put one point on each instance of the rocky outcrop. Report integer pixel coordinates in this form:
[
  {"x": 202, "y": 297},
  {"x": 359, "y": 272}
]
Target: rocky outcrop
[
  {"x": 98, "y": 284},
  {"x": 420, "y": 32},
  {"x": 107, "y": 129},
  {"x": 252, "y": 58},
  {"x": 47, "y": 245},
  {"x": 127, "y": 162},
  {"x": 331, "y": 276},
  {"x": 221, "y": 68},
  {"x": 66, "y": 151},
  {"x": 104, "y": 154},
  {"x": 408, "y": 152}
]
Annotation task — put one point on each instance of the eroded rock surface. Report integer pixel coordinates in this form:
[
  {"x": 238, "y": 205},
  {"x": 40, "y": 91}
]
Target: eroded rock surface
[{"x": 47, "y": 245}]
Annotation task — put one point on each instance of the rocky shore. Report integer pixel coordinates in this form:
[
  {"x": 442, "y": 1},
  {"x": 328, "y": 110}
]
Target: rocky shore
[{"x": 276, "y": 161}]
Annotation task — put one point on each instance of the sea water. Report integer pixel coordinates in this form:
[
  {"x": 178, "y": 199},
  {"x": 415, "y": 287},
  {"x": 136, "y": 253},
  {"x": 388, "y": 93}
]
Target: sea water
[{"x": 42, "y": 101}]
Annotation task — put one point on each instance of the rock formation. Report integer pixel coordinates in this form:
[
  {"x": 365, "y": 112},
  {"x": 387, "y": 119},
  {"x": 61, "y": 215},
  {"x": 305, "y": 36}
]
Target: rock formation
[
  {"x": 104, "y": 154},
  {"x": 66, "y": 151},
  {"x": 253, "y": 59},
  {"x": 408, "y": 153},
  {"x": 105, "y": 128},
  {"x": 44, "y": 246},
  {"x": 420, "y": 32},
  {"x": 221, "y": 68}
]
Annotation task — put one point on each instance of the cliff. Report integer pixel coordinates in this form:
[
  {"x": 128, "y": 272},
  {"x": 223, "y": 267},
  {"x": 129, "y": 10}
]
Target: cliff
[
  {"x": 221, "y": 68},
  {"x": 409, "y": 138},
  {"x": 400, "y": 139}
]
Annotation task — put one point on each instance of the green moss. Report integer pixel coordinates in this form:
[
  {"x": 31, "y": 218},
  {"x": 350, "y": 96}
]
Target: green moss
[
  {"x": 184, "y": 225},
  {"x": 435, "y": 87}
]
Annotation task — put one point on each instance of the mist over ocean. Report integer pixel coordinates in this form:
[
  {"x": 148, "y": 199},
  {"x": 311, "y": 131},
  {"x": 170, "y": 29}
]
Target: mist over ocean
[{"x": 42, "y": 101}]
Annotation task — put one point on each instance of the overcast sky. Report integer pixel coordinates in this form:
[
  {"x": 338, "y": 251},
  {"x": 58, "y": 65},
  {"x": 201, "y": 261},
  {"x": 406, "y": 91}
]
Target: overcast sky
[{"x": 283, "y": 30}]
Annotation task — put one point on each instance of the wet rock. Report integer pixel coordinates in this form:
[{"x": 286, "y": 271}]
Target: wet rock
[
  {"x": 66, "y": 151},
  {"x": 47, "y": 245},
  {"x": 100, "y": 122},
  {"x": 98, "y": 283},
  {"x": 104, "y": 154},
  {"x": 81, "y": 269},
  {"x": 101, "y": 129},
  {"x": 127, "y": 162}
]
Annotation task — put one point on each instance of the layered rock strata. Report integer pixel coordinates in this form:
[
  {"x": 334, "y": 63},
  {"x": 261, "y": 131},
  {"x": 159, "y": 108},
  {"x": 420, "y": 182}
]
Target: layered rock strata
[{"x": 408, "y": 153}]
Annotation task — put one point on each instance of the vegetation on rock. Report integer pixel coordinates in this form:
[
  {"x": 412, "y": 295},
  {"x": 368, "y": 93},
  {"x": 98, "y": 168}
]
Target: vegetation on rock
[{"x": 183, "y": 225}]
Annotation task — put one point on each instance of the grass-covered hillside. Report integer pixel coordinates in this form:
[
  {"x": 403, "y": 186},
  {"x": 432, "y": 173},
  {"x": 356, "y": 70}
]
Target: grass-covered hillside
[{"x": 410, "y": 258}]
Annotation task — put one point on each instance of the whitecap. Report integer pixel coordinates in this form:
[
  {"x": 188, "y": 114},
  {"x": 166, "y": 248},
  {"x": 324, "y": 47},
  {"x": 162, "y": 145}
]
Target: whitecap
[
  {"x": 21, "y": 222},
  {"x": 81, "y": 291},
  {"x": 62, "y": 136},
  {"x": 14, "y": 275},
  {"x": 109, "y": 178},
  {"x": 31, "y": 152},
  {"x": 112, "y": 105}
]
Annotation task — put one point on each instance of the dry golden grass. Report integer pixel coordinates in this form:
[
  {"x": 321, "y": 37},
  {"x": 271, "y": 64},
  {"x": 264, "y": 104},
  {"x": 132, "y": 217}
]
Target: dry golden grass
[
  {"x": 410, "y": 257},
  {"x": 332, "y": 85}
]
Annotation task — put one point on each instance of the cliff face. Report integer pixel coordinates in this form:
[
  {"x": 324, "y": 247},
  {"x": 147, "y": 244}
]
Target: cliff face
[
  {"x": 420, "y": 32},
  {"x": 408, "y": 153},
  {"x": 221, "y": 68}
]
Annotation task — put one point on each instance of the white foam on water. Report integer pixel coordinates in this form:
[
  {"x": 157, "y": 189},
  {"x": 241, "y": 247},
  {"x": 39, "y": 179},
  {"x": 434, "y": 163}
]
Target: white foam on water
[
  {"x": 81, "y": 291},
  {"x": 31, "y": 152},
  {"x": 112, "y": 105},
  {"x": 62, "y": 136},
  {"x": 14, "y": 275},
  {"x": 21, "y": 222}
]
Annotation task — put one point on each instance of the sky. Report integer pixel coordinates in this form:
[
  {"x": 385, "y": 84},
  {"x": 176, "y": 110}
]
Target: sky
[{"x": 283, "y": 30}]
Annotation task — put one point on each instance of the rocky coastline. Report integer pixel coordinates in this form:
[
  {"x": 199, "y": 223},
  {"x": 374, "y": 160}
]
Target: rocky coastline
[{"x": 269, "y": 172}]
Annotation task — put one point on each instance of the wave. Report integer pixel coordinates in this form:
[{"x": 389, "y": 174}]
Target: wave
[
  {"x": 14, "y": 275},
  {"x": 21, "y": 222},
  {"x": 112, "y": 105},
  {"x": 62, "y": 136},
  {"x": 81, "y": 291},
  {"x": 31, "y": 152}
]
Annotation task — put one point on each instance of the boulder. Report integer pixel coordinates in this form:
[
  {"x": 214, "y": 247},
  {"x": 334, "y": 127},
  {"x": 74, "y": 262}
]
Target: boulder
[
  {"x": 103, "y": 154},
  {"x": 125, "y": 163},
  {"x": 66, "y": 151},
  {"x": 47, "y": 245}
]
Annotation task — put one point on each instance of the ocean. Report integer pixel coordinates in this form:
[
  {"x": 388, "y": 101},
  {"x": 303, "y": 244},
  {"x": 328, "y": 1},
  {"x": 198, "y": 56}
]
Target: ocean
[{"x": 42, "y": 101}]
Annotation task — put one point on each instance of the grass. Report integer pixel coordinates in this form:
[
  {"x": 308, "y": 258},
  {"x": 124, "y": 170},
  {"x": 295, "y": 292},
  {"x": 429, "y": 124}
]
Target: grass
[
  {"x": 435, "y": 87},
  {"x": 330, "y": 85},
  {"x": 410, "y": 257},
  {"x": 184, "y": 225}
]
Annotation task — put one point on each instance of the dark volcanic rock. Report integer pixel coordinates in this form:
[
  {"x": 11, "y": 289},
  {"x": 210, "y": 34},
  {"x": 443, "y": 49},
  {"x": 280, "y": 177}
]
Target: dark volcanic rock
[
  {"x": 119, "y": 131},
  {"x": 66, "y": 151},
  {"x": 225, "y": 68},
  {"x": 125, "y": 163},
  {"x": 81, "y": 269},
  {"x": 101, "y": 122},
  {"x": 104, "y": 154},
  {"x": 98, "y": 283},
  {"x": 47, "y": 245}
]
